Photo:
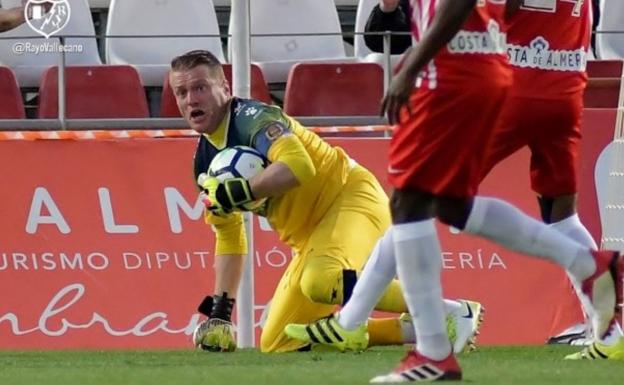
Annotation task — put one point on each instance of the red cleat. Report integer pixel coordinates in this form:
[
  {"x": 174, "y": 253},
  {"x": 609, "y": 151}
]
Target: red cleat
[{"x": 416, "y": 367}]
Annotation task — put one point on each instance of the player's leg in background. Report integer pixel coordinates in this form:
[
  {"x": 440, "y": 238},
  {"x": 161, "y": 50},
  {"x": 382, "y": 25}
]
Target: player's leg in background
[
  {"x": 551, "y": 130},
  {"x": 508, "y": 136},
  {"x": 554, "y": 162},
  {"x": 501, "y": 222},
  {"x": 560, "y": 212}
]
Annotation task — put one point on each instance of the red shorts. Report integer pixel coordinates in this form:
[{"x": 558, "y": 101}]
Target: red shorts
[
  {"x": 551, "y": 129},
  {"x": 440, "y": 149}
]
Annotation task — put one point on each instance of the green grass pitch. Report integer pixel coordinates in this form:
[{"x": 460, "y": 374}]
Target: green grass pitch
[{"x": 487, "y": 366}]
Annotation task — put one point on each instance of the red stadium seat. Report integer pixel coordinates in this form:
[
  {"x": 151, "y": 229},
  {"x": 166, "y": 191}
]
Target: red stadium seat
[
  {"x": 12, "y": 106},
  {"x": 259, "y": 91},
  {"x": 604, "y": 84},
  {"x": 108, "y": 91},
  {"x": 602, "y": 93},
  {"x": 605, "y": 68},
  {"x": 334, "y": 89}
]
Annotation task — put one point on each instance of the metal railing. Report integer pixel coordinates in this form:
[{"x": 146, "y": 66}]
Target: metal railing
[{"x": 64, "y": 123}]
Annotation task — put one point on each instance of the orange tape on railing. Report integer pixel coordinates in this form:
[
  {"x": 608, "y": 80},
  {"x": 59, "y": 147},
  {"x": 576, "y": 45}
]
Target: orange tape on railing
[{"x": 134, "y": 134}]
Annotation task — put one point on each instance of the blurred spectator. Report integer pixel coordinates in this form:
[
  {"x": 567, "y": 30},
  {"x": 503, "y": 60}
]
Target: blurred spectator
[
  {"x": 14, "y": 17},
  {"x": 389, "y": 15},
  {"x": 11, "y": 18},
  {"x": 595, "y": 21}
]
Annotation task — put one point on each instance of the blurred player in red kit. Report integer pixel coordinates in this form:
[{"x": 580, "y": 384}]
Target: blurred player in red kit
[
  {"x": 547, "y": 46},
  {"x": 446, "y": 100}
]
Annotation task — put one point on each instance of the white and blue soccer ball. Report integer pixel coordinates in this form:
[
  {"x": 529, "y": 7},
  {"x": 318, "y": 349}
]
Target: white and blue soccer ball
[{"x": 238, "y": 162}]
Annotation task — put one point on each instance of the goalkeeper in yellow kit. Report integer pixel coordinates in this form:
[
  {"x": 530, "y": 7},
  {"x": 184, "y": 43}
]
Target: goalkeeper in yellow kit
[{"x": 330, "y": 210}]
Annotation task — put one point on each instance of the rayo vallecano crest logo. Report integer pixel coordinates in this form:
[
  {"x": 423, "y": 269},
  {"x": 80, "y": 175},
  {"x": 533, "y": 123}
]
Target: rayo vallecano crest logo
[{"x": 47, "y": 17}]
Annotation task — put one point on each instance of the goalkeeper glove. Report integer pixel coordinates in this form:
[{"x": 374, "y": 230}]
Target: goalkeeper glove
[
  {"x": 215, "y": 335},
  {"x": 224, "y": 197}
]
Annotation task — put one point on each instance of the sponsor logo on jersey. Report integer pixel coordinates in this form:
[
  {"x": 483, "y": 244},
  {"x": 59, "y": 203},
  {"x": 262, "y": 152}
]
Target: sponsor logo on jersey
[
  {"x": 491, "y": 42},
  {"x": 250, "y": 111},
  {"x": 238, "y": 109},
  {"x": 539, "y": 55}
]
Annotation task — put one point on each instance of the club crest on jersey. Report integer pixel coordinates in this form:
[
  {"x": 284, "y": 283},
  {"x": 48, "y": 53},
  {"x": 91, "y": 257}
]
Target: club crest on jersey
[
  {"x": 274, "y": 131},
  {"x": 539, "y": 55}
]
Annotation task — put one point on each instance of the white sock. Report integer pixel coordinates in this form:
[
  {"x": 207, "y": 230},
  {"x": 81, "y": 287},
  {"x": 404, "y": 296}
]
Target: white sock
[
  {"x": 503, "y": 223},
  {"x": 419, "y": 265},
  {"x": 573, "y": 228},
  {"x": 378, "y": 272}
]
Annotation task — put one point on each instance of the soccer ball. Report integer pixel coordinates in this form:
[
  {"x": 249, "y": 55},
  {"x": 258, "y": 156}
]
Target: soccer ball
[{"x": 239, "y": 162}]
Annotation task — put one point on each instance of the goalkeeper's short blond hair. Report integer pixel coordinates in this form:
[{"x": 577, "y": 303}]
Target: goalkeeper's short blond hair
[{"x": 195, "y": 58}]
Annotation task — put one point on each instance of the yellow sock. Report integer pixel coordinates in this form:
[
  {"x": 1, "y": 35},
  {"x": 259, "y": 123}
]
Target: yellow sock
[
  {"x": 392, "y": 299},
  {"x": 384, "y": 331}
]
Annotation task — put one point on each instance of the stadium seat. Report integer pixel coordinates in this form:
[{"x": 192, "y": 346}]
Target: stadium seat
[
  {"x": 94, "y": 92},
  {"x": 227, "y": 3},
  {"x": 259, "y": 90},
  {"x": 361, "y": 49},
  {"x": 29, "y": 66},
  {"x": 604, "y": 87},
  {"x": 12, "y": 106},
  {"x": 152, "y": 56},
  {"x": 276, "y": 54},
  {"x": 334, "y": 89},
  {"x": 605, "y": 68},
  {"x": 603, "y": 93},
  {"x": 611, "y": 45}
]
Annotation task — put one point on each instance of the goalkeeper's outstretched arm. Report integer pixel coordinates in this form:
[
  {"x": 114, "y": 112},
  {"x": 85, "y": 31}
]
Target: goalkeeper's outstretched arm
[
  {"x": 216, "y": 333},
  {"x": 228, "y": 271},
  {"x": 230, "y": 251}
]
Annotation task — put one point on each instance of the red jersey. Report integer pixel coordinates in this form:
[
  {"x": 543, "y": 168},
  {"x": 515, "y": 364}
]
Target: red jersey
[
  {"x": 547, "y": 46},
  {"x": 476, "y": 53}
]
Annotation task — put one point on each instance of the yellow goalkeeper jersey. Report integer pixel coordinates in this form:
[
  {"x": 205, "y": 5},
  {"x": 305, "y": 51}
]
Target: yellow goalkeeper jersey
[{"x": 321, "y": 169}]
